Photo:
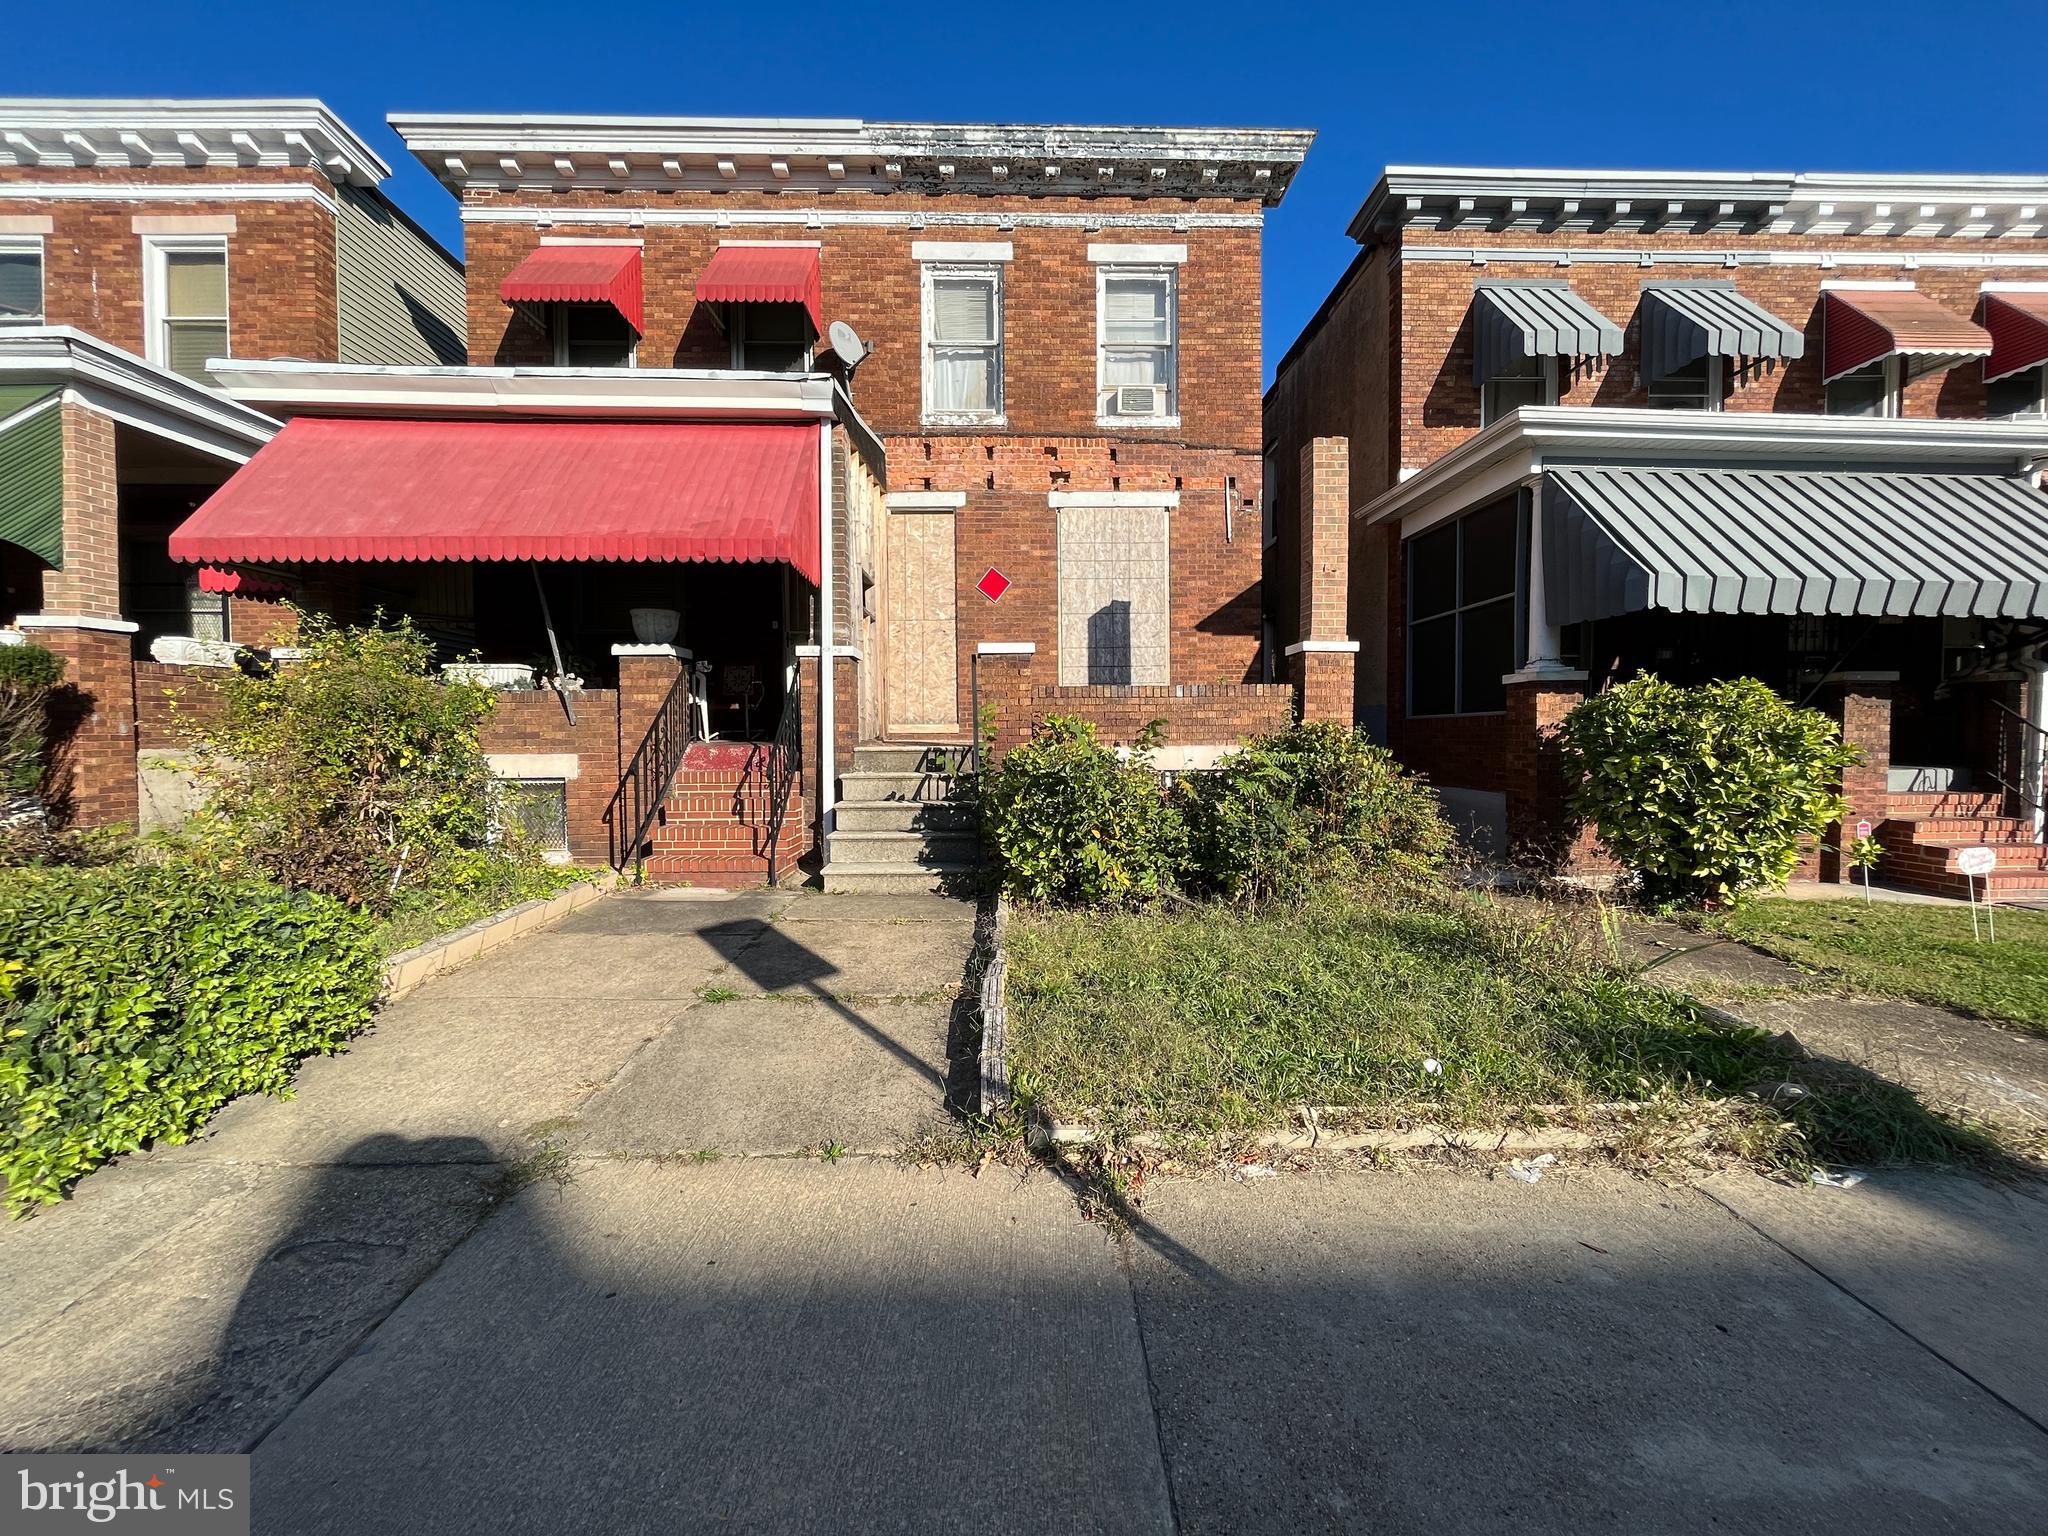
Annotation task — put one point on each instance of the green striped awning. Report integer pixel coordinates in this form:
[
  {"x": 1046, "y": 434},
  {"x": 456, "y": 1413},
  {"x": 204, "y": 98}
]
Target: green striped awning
[
  {"x": 32, "y": 472},
  {"x": 1620, "y": 539}
]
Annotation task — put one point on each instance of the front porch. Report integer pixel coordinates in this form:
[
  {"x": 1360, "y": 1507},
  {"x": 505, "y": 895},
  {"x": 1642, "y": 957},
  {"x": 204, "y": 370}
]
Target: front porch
[{"x": 1893, "y": 574}]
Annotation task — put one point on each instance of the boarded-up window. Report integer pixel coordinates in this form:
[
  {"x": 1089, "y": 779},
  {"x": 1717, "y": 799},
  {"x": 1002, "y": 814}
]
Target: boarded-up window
[{"x": 1115, "y": 616}]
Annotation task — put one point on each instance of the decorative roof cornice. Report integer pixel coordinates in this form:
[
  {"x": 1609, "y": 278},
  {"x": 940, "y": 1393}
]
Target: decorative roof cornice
[
  {"x": 1522, "y": 442},
  {"x": 824, "y": 155},
  {"x": 1702, "y": 202},
  {"x": 107, "y": 133}
]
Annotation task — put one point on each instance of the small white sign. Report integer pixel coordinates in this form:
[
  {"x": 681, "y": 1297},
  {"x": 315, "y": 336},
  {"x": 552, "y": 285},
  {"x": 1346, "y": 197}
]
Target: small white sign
[
  {"x": 1863, "y": 829},
  {"x": 1977, "y": 861}
]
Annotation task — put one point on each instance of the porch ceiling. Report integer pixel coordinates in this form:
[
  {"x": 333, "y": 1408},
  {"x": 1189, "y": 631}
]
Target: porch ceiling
[{"x": 1772, "y": 541}]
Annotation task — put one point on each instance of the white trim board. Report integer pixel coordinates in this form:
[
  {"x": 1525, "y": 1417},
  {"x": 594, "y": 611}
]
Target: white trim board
[
  {"x": 1566, "y": 256},
  {"x": 166, "y": 192},
  {"x": 924, "y": 501},
  {"x": 1167, "y": 499},
  {"x": 1319, "y": 647}
]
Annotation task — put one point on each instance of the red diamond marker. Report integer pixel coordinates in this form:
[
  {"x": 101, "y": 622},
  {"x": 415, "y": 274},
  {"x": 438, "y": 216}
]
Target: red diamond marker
[{"x": 993, "y": 585}]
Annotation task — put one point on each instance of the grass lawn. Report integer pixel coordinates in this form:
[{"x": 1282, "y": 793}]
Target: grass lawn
[
  {"x": 1209, "y": 1020},
  {"x": 1900, "y": 949}
]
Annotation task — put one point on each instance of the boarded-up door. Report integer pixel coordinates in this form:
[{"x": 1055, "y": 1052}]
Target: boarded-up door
[{"x": 918, "y": 624}]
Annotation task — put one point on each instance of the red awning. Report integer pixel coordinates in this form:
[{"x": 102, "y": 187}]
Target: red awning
[
  {"x": 2017, "y": 319},
  {"x": 764, "y": 274},
  {"x": 1866, "y": 325},
  {"x": 579, "y": 274},
  {"x": 326, "y": 489},
  {"x": 214, "y": 579}
]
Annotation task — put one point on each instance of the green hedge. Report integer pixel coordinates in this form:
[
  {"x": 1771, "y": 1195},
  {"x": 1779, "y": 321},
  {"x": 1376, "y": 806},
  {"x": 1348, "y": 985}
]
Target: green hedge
[{"x": 135, "y": 1001}]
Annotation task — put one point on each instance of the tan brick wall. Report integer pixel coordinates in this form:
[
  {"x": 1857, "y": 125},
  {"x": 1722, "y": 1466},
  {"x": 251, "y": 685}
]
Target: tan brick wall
[{"x": 281, "y": 262}]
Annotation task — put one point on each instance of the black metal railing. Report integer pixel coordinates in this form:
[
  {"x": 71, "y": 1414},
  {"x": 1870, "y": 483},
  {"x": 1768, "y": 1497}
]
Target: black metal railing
[
  {"x": 2022, "y": 749},
  {"x": 784, "y": 769},
  {"x": 645, "y": 782}
]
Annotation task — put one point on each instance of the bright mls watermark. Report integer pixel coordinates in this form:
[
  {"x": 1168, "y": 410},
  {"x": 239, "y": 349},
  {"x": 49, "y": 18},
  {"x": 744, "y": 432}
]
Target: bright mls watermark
[{"x": 164, "y": 1495}]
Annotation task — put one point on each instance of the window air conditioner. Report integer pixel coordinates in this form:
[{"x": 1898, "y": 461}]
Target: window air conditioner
[{"x": 1140, "y": 400}]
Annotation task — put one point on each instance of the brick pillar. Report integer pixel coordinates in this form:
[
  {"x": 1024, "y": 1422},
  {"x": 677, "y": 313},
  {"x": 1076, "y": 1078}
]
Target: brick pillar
[
  {"x": 1005, "y": 687},
  {"x": 91, "y": 780},
  {"x": 90, "y": 581},
  {"x": 1862, "y": 703},
  {"x": 646, "y": 673},
  {"x": 1324, "y": 659},
  {"x": 1542, "y": 834}
]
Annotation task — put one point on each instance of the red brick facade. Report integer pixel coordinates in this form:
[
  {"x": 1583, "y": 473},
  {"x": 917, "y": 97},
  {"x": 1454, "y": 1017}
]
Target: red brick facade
[{"x": 1194, "y": 715}]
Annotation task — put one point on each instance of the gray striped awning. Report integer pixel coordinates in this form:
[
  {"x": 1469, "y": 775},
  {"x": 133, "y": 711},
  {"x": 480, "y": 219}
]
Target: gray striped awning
[
  {"x": 1771, "y": 541},
  {"x": 1537, "y": 318},
  {"x": 1684, "y": 322}
]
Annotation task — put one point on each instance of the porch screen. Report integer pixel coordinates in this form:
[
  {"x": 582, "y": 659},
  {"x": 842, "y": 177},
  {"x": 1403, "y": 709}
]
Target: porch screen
[
  {"x": 1461, "y": 612},
  {"x": 1114, "y": 611}
]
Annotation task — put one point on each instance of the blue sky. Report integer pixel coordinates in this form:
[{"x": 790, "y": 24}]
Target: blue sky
[{"x": 1729, "y": 86}]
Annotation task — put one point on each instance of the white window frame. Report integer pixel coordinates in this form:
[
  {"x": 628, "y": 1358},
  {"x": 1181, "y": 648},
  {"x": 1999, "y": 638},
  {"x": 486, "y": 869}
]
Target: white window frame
[
  {"x": 930, "y": 274},
  {"x": 15, "y": 245},
  {"x": 1168, "y": 273},
  {"x": 1547, "y": 369},
  {"x": 1891, "y": 406},
  {"x": 558, "y": 334},
  {"x": 154, "y": 249}
]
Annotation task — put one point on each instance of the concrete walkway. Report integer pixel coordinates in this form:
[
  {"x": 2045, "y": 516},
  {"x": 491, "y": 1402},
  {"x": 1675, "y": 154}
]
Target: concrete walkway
[{"x": 655, "y": 1332}]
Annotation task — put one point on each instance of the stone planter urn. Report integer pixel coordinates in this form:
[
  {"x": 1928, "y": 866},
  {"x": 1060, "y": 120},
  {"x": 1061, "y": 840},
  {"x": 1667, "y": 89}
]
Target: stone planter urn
[
  {"x": 179, "y": 650},
  {"x": 656, "y": 626}
]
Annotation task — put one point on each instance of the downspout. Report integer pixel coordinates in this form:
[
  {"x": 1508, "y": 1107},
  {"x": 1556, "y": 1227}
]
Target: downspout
[{"x": 827, "y": 635}]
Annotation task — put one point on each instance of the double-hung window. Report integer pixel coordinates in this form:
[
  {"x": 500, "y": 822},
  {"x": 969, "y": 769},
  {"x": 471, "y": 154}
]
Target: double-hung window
[
  {"x": 21, "y": 280},
  {"x": 1694, "y": 387},
  {"x": 963, "y": 345},
  {"x": 1529, "y": 381},
  {"x": 2021, "y": 396},
  {"x": 592, "y": 336},
  {"x": 1461, "y": 612},
  {"x": 185, "y": 302},
  {"x": 1137, "y": 325},
  {"x": 1869, "y": 391}
]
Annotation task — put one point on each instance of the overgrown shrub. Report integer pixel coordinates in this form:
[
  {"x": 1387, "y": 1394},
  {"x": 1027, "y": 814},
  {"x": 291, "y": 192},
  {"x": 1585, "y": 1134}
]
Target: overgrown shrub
[
  {"x": 27, "y": 674},
  {"x": 1703, "y": 794},
  {"x": 1071, "y": 822},
  {"x": 357, "y": 772},
  {"x": 1315, "y": 802},
  {"x": 135, "y": 1001}
]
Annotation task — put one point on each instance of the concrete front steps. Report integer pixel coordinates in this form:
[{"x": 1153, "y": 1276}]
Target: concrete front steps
[
  {"x": 898, "y": 826},
  {"x": 1924, "y": 832}
]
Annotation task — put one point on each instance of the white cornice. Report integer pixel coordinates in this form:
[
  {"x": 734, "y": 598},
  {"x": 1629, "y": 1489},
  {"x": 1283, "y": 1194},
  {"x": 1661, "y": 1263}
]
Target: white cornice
[
  {"x": 1779, "y": 202},
  {"x": 296, "y": 388},
  {"x": 1566, "y": 255},
  {"x": 1519, "y": 445},
  {"x": 826, "y": 155},
  {"x": 138, "y": 393},
  {"x": 116, "y": 133},
  {"x": 166, "y": 192}
]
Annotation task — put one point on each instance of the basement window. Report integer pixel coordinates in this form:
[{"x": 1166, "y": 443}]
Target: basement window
[{"x": 534, "y": 814}]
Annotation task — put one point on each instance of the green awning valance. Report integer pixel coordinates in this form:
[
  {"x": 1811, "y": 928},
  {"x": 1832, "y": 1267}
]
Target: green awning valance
[{"x": 32, "y": 472}]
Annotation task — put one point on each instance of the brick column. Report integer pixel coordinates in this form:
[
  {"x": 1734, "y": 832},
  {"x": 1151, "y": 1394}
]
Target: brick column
[
  {"x": 1003, "y": 669},
  {"x": 1542, "y": 834},
  {"x": 1324, "y": 660},
  {"x": 90, "y": 581},
  {"x": 1862, "y": 703},
  {"x": 646, "y": 673}
]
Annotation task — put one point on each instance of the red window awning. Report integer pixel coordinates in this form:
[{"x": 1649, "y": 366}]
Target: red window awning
[
  {"x": 2017, "y": 319},
  {"x": 329, "y": 489},
  {"x": 764, "y": 274},
  {"x": 579, "y": 274},
  {"x": 1867, "y": 325}
]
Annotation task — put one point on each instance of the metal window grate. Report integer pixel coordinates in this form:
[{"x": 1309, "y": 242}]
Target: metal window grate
[{"x": 533, "y": 812}]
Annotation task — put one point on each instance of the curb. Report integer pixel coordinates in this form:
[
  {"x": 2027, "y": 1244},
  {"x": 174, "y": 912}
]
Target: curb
[
  {"x": 406, "y": 970},
  {"x": 995, "y": 1016}
]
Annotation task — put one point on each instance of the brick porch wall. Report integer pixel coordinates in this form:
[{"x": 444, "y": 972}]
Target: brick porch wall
[
  {"x": 535, "y": 723},
  {"x": 1197, "y": 714}
]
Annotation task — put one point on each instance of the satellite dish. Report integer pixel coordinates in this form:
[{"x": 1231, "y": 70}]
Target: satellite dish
[{"x": 846, "y": 344}]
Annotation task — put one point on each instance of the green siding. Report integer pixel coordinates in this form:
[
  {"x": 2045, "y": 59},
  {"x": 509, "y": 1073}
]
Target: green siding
[{"x": 32, "y": 479}]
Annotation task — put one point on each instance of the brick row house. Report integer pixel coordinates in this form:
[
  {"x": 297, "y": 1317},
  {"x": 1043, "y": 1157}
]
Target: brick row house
[
  {"x": 1553, "y": 429},
  {"x": 792, "y": 442},
  {"x": 139, "y": 242}
]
